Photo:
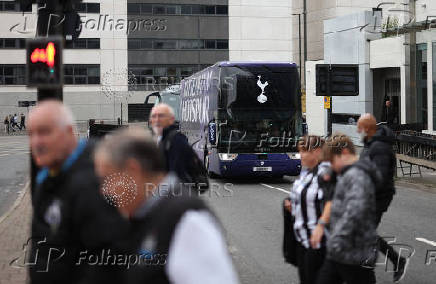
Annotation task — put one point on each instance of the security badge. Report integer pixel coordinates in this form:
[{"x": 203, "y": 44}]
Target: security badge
[{"x": 53, "y": 215}]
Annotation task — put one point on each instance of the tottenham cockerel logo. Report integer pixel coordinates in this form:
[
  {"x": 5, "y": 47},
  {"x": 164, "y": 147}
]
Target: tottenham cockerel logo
[{"x": 262, "y": 98}]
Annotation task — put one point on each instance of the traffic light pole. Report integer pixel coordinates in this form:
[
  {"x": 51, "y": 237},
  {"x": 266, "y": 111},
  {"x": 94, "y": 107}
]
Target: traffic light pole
[{"x": 49, "y": 24}]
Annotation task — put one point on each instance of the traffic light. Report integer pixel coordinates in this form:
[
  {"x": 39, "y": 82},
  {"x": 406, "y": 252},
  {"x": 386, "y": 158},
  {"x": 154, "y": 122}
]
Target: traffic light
[{"x": 44, "y": 62}]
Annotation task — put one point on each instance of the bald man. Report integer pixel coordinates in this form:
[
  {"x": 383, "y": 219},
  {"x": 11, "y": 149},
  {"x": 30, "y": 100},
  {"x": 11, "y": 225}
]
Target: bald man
[
  {"x": 378, "y": 147},
  {"x": 179, "y": 155},
  {"x": 70, "y": 215}
]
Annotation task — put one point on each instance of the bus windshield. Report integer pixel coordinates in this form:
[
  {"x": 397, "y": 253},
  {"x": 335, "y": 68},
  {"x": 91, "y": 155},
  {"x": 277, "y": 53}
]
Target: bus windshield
[{"x": 260, "y": 109}]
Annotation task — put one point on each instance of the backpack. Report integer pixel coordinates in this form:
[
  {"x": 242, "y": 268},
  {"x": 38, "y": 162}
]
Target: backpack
[{"x": 196, "y": 172}]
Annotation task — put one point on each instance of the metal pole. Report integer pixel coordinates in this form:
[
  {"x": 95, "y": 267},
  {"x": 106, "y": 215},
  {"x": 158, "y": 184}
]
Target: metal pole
[{"x": 299, "y": 42}]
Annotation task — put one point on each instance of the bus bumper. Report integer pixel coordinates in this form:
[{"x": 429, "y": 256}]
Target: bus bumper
[{"x": 260, "y": 165}]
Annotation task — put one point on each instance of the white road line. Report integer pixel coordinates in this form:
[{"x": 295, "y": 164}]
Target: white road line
[
  {"x": 426, "y": 241},
  {"x": 277, "y": 188}
]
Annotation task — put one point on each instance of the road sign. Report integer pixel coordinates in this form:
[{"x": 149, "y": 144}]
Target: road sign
[
  {"x": 337, "y": 80},
  {"x": 44, "y": 62},
  {"x": 327, "y": 102}
]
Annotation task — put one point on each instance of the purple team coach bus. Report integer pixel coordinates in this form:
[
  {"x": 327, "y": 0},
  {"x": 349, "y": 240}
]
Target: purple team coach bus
[{"x": 244, "y": 118}]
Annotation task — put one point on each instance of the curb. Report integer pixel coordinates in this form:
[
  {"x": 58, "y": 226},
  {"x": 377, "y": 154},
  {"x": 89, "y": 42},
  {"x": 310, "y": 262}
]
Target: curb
[
  {"x": 17, "y": 202},
  {"x": 416, "y": 186}
]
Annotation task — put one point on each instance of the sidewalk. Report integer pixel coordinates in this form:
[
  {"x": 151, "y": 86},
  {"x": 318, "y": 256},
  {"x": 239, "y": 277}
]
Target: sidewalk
[
  {"x": 427, "y": 182},
  {"x": 14, "y": 233}
]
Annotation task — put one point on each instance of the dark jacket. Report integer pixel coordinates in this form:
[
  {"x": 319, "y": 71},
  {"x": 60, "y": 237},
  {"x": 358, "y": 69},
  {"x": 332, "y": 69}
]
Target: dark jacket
[
  {"x": 152, "y": 232},
  {"x": 177, "y": 152},
  {"x": 353, "y": 237},
  {"x": 379, "y": 149},
  {"x": 71, "y": 217}
]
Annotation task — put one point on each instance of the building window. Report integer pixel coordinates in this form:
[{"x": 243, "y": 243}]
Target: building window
[
  {"x": 81, "y": 74},
  {"x": 157, "y": 77},
  {"x": 222, "y": 10},
  {"x": 222, "y": 44},
  {"x": 84, "y": 43},
  {"x": 133, "y": 9},
  {"x": 12, "y": 43},
  {"x": 156, "y": 44},
  {"x": 12, "y": 74},
  {"x": 164, "y": 44},
  {"x": 13, "y": 6},
  {"x": 164, "y": 9},
  {"x": 88, "y": 8}
]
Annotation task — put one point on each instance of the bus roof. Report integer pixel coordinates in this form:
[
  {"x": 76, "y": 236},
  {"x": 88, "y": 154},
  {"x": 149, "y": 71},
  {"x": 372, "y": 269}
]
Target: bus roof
[{"x": 254, "y": 64}]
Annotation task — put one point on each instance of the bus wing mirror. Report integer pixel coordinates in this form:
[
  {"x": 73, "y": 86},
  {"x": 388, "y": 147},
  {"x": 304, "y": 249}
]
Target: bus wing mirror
[{"x": 152, "y": 99}]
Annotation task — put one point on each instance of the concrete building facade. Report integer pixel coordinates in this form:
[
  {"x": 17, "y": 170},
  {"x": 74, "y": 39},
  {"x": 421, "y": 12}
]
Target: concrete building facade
[
  {"x": 396, "y": 62},
  {"x": 130, "y": 48}
]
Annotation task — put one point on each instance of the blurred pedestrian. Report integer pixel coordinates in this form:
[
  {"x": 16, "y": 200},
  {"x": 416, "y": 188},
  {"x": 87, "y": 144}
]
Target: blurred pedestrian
[
  {"x": 352, "y": 243},
  {"x": 390, "y": 113},
  {"x": 69, "y": 213},
  {"x": 307, "y": 200},
  {"x": 15, "y": 121},
  {"x": 6, "y": 123},
  {"x": 22, "y": 121},
  {"x": 179, "y": 156},
  {"x": 174, "y": 236},
  {"x": 11, "y": 123},
  {"x": 378, "y": 147}
]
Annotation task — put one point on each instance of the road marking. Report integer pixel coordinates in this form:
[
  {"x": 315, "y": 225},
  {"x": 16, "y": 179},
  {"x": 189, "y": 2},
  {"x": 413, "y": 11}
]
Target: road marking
[
  {"x": 277, "y": 188},
  {"x": 426, "y": 241}
]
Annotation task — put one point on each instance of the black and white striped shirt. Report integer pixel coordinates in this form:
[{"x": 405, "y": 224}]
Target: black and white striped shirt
[{"x": 307, "y": 200}]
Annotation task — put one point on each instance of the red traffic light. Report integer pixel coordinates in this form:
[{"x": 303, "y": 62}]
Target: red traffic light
[
  {"x": 44, "y": 55},
  {"x": 44, "y": 62}
]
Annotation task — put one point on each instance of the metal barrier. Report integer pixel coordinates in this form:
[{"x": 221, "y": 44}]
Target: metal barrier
[{"x": 415, "y": 148}]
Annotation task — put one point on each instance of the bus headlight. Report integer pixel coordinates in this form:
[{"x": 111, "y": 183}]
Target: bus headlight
[
  {"x": 294, "y": 156},
  {"x": 227, "y": 157}
]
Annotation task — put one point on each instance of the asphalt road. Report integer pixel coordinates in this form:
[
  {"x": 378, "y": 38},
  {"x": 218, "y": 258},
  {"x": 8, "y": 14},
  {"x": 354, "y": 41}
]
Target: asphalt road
[
  {"x": 14, "y": 169},
  {"x": 252, "y": 218}
]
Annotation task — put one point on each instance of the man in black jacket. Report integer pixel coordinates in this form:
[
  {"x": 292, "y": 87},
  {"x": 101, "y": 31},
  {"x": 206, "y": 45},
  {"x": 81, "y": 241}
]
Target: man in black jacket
[
  {"x": 174, "y": 237},
  {"x": 378, "y": 147},
  {"x": 69, "y": 214},
  {"x": 174, "y": 145}
]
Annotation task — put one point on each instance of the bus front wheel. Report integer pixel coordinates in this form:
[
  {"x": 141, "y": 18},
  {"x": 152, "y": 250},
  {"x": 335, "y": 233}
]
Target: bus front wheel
[{"x": 206, "y": 165}]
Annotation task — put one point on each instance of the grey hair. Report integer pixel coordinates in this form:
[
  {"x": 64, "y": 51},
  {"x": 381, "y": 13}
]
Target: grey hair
[
  {"x": 63, "y": 115},
  {"x": 133, "y": 143},
  {"x": 167, "y": 106},
  {"x": 66, "y": 117}
]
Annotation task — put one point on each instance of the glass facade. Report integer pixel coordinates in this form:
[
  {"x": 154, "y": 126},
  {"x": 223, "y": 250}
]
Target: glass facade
[
  {"x": 163, "y": 9},
  {"x": 156, "y": 44},
  {"x": 157, "y": 77}
]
